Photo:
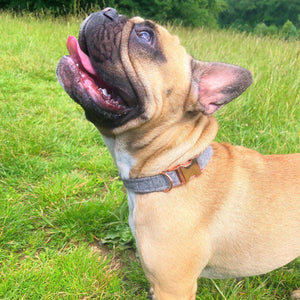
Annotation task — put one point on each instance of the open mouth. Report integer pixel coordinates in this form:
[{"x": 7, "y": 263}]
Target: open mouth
[{"x": 106, "y": 97}]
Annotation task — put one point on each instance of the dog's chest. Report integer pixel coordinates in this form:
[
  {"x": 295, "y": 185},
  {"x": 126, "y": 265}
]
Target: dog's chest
[{"x": 124, "y": 164}]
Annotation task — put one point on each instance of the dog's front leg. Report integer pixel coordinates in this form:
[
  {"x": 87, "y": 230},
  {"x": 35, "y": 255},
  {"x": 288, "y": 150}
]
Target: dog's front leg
[
  {"x": 156, "y": 294},
  {"x": 186, "y": 294},
  {"x": 173, "y": 250},
  {"x": 171, "y": 269}
]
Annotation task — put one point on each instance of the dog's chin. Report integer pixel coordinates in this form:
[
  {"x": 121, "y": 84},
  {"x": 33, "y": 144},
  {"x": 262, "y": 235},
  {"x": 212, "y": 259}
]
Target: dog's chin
[{"x": 105, "y": 105}]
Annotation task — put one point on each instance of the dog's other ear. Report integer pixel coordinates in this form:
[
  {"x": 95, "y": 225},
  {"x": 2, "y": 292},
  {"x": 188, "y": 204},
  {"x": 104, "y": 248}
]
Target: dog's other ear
[{"x": 218, "y": 83}]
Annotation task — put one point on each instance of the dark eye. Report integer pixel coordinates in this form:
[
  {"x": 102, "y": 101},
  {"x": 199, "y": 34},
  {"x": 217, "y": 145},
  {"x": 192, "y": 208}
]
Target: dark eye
[{"x": 145, "y": 36}]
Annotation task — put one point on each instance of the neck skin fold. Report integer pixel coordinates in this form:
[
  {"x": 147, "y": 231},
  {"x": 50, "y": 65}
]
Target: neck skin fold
[{"x": 141, "y": 152}]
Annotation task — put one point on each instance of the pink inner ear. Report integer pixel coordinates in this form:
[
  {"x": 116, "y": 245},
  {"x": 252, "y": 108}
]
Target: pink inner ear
[
  {"x": 211, "y": 88},
  {"x": 219, "y": 83}
]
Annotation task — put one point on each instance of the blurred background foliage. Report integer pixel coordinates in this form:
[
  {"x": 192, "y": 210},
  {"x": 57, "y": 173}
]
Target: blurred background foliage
[{"x": 263, "y": 17}]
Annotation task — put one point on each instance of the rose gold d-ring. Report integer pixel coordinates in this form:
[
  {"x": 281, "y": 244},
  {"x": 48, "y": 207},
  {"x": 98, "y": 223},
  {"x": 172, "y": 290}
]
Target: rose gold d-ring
[{"x": 171, "y": 182}]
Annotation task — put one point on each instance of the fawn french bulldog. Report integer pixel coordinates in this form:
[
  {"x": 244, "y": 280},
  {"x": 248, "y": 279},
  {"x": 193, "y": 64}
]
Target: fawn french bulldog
[{"x": 197, "y": 208}]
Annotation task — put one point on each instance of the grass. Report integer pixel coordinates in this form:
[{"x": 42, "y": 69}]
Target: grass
[{"x": 59, "y": 189}]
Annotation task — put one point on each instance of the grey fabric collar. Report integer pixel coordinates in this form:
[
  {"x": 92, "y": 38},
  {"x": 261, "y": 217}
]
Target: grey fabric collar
[{"x": 169, "y": 179}]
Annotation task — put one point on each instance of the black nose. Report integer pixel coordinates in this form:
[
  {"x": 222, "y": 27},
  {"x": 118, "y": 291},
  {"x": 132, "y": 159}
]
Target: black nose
[{"x": 110, "y": 13}]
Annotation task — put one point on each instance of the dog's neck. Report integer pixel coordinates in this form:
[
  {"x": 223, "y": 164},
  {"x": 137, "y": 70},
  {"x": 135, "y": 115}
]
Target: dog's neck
[{"x": 139, "y": 155}]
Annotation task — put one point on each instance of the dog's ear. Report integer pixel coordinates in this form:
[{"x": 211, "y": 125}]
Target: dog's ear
[{"x": 218, "y": 83}]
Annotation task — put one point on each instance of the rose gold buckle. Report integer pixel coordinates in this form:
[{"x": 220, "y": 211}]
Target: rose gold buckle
[{"x": 186, "y": 172}]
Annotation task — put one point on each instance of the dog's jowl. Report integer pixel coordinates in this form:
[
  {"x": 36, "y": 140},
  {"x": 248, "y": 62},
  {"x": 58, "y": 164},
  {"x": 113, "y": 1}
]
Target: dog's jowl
[{"x": 197, "y": 208}]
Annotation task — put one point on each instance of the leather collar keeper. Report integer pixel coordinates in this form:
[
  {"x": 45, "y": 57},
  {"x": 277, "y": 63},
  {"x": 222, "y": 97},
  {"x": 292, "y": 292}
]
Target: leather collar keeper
[{"x": 167, "y": 180}]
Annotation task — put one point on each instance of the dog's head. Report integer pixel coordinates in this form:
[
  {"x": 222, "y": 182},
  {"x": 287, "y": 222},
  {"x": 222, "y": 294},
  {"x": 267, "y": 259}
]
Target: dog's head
[{"x": 128, "y": 72}]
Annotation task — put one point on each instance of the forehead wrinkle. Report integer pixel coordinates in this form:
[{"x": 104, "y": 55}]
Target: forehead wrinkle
[
  {"x": 143, "y": 22},
  {"x": 136, "y": 20}
]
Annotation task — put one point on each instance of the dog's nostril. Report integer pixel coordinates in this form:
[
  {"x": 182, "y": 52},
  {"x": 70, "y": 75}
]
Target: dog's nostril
[{"x": 110, "y": 13}]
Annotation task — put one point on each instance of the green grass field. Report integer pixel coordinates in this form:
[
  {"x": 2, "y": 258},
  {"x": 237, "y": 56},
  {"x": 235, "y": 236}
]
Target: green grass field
[{"x": 59, "y": 189}]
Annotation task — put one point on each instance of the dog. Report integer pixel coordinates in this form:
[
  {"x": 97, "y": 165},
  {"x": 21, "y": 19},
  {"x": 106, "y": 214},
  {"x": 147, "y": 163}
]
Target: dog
[{"x": 197, "y": 208}]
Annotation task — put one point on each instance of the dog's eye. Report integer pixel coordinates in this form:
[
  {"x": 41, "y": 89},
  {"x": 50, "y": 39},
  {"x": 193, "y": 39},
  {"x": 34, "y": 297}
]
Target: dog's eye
[{"x": 145, "y": 36}]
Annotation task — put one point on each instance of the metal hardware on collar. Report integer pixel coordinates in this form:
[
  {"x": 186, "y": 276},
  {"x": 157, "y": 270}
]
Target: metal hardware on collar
[
  {"x": 184, "y": 172},
  {"x": 167, "y": 180},
  {"x": 171, "y": 182}
]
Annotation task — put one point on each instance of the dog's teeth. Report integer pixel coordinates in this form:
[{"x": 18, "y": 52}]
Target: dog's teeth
[{"x": 104, "y": 91}]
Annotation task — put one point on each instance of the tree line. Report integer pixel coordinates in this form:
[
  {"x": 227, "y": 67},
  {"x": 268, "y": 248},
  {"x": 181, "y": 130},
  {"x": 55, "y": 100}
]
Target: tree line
[
  {"x": 259, "y": 16},
  {"x": 263, "y": 16}
]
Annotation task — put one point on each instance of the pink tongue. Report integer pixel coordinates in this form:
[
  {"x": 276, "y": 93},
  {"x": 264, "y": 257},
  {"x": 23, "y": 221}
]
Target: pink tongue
[{"x": 75, "y": 52}]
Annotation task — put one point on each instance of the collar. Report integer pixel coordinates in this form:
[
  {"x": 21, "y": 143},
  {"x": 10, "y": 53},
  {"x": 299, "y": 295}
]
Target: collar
[{"x": 167, "y": 180}]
